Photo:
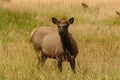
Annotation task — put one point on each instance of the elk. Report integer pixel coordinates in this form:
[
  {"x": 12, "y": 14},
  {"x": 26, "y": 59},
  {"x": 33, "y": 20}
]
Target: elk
[{"x": 55, "y": 43}]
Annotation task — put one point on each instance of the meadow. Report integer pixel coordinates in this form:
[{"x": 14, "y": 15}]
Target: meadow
[{"x": 96, "y": 28}]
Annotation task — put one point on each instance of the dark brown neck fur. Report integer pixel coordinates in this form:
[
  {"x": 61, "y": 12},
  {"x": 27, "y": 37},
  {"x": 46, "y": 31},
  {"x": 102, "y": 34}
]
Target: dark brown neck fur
[{"x": 67, "y": 43}]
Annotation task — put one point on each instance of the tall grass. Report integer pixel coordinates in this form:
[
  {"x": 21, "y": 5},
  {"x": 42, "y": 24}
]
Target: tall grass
[{"x": 97, "y": 30}]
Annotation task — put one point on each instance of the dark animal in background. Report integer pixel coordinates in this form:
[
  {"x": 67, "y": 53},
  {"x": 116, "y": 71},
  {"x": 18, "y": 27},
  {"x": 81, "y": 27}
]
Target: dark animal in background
[
  {"x": 118, "y": 13},
  {"x": 55, "y": 43},
  {"x": 84, "y": 5}
]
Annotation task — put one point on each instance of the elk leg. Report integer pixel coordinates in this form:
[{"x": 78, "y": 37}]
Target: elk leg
[
  {"x": 72, "y": 64},
  {"x": 60, "y": 65},
  {"x": 38, "y": 56},
  {"x": 42, "y": 60}
]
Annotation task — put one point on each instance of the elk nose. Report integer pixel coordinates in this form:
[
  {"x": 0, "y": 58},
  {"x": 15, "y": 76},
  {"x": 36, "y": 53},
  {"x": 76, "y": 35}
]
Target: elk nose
[{"x": 61, "y": 32}]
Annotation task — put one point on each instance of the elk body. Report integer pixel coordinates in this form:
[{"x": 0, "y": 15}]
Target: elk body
[{"x": 54, "y": 43}]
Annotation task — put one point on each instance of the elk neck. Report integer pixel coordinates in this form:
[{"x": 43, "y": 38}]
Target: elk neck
[{"x": 66, "y": 42}]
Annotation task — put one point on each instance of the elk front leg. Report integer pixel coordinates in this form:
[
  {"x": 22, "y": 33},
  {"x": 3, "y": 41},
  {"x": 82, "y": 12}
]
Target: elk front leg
[{"x": 72, "y": 64}]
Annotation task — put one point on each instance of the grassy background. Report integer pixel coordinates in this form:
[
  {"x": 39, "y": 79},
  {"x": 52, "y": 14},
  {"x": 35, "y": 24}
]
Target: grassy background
[{"x": 97, "y": 30}]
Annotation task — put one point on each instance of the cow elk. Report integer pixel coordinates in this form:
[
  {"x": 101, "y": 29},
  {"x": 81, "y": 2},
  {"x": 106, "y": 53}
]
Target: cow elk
[{"x": 55, "y": 43}]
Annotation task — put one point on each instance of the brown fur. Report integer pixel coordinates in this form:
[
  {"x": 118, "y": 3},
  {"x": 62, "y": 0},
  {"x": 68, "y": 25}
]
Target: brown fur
[
  {"x": 47, "y": 43},
  {"x": 47, "y": 40}
]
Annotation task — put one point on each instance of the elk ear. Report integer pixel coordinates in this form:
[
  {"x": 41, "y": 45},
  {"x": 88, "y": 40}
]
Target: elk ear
[
  {"x": 54, "y": 20},
  {"x": 71, "y": 20}
]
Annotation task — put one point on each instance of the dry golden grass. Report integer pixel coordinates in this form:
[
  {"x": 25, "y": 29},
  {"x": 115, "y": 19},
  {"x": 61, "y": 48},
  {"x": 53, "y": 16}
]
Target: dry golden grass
[{"x": 97, "y": 30}]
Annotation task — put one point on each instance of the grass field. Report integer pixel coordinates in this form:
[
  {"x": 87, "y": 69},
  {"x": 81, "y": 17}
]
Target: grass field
[{"x": 97, "y": 30}]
